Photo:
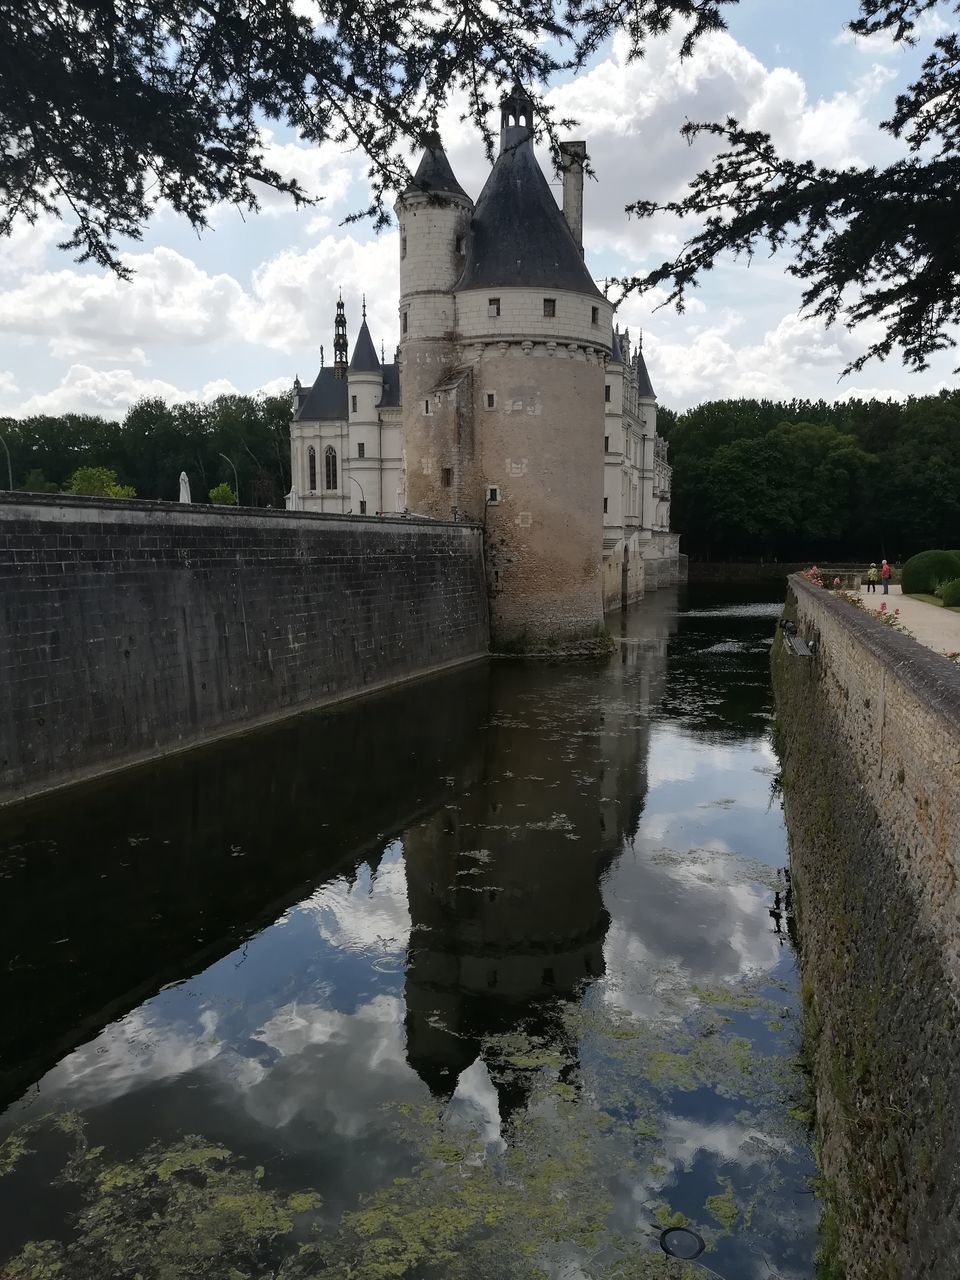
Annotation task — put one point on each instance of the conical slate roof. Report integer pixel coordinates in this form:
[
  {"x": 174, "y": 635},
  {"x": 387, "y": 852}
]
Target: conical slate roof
[
  {"x": 434, "y": 175},
  {"x": 644, "y": 385},
  {"x": 616, "y": 355},
  {"x": 519, "y": 236},
  {"x": 364, "y": 353}
]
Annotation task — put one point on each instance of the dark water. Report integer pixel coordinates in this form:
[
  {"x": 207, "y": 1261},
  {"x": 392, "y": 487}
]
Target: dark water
[{"x": 482, "y": 978}]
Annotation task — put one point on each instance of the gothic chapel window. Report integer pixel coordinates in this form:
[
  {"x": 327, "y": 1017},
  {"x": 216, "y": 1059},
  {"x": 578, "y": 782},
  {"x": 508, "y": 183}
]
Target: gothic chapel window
[
  {"x": 330, "y": 467},
  {"x": 312, "y": 468}
]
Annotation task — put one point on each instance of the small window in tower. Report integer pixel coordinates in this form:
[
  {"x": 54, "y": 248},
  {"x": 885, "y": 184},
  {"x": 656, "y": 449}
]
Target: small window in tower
[
  {"x": 353, "y": 404},
  {"x": 606, "y": 444},
  {"x": 446, "y": 477},
  {"x": 459, "y": 244},
  {"x": 361, "y": 450},
  {"x": 403, "y": 246},
  {"x": 363, "y": 507},
  {"x": 594, "y": 315},
  {"x": 605, "y": 506},
  {"x": 549, "y": 308},
  {"x": 426, "y": 407},
  {"x": 403, "y": 323},
  {"x": 493, "y": 306},
  {"x": 493, "y": 495},
  {"x": 491, "y": 400},
  {"x": 606, "y": 393}
]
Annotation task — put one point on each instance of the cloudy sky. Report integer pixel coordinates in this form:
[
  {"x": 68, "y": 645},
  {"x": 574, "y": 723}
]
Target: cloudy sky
[{"x": 248, "y": 304}]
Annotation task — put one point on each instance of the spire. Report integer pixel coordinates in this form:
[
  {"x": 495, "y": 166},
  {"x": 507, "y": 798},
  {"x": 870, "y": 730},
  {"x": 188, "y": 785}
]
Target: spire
[
  {"x": 363, "y": 306},
  {"x": 616, "y": 355},
  {"x": 364, "y": 352},
  {"x": 321, "y": 355},
  {"x": 340, "y": 341},
  {"x": 434, "y": 176}
]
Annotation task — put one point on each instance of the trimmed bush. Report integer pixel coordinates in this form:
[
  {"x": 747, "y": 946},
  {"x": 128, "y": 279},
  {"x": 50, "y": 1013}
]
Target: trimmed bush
[
  {"x": 922, "y": 574},
  {"x": 950, "y": 594}
]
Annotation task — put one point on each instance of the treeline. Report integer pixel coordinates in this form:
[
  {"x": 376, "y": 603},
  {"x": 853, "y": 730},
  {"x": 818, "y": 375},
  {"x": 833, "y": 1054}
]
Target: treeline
[
  {"x": 154, "y": 443},
  {"x": 815, "y": 481}
]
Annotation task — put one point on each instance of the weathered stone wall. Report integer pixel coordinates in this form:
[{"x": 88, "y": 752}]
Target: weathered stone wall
[
  {"x": 128, "y": 629},
  {"x": 869, "y": 739}
]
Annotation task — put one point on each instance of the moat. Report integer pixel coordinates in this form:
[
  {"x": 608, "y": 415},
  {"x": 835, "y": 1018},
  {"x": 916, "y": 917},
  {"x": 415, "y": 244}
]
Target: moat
[{"x": 488, "y": 977}]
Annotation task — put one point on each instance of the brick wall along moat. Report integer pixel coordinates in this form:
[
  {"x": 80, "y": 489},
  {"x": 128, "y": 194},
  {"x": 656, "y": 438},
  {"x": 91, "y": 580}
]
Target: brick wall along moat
[{"x": 128, "y": 629}]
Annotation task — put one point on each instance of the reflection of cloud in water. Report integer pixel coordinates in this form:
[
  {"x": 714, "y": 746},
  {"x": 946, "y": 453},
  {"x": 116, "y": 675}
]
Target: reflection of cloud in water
[
  {"x": 334, "y": 1069},
  {"x": 142, "y": 1050},
  {"x": 369, "y": 914},
  {"x": 669, "y": 928}
]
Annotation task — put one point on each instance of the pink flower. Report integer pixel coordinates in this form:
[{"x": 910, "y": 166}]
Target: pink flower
[
  {"x": 882, "y": 609},
  {"x": 836, "y": 582}
]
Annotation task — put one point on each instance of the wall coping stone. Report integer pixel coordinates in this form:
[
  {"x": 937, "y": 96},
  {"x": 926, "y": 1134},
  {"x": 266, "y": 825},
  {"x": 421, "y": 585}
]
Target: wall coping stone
[
  {"x": 16, "y": 501},
  {"x": 930, "y": 676}
]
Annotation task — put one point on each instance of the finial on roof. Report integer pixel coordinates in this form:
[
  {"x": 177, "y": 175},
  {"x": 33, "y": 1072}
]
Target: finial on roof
[
  {"x": 383, "y": 358},
  {"x": 321, "y": 355},
  {"x": 363, "y": 305}
]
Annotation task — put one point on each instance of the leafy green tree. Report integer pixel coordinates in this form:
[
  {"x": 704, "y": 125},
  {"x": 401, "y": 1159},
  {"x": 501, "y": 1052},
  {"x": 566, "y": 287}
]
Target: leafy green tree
[
  {"x": 222, "y": 495},
  {"x": 36, "y": 482},
  {"x": 99, "y": 482}
]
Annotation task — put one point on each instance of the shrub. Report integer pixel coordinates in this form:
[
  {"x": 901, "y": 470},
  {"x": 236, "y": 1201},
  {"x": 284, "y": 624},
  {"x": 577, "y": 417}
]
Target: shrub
[
  {"x": 101, "y": 482},
  {"x": 222, "y": 495},
  {"x": 922, "y": 574},
  {"x": 950, "y": 594}
]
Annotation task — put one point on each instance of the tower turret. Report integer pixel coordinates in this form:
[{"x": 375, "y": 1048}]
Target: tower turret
[
  {"x": 365, "y": 390},
  {"x": 434, "y": 214}
]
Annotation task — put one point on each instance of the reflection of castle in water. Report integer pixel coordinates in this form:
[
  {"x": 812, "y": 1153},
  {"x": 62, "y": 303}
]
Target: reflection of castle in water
[{"x": 504, "y": 882}]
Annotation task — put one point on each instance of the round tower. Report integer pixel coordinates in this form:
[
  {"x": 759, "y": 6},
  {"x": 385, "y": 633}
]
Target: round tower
[
  {"x": 537, "y": 334},
  {"x": 434, "y": 214}
]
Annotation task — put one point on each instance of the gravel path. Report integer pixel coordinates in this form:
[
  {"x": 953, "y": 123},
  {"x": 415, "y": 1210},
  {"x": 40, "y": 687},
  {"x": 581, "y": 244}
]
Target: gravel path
[{"x": 937, "y": 628}]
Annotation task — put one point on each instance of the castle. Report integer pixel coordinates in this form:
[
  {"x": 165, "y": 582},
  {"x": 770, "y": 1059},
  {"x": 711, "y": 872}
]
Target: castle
[{"x": 512, "y": 400}]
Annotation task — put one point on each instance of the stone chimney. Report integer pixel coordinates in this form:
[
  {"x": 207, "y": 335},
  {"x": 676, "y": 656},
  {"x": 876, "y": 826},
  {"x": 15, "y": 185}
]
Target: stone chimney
[{"x": 572, "y": 156}]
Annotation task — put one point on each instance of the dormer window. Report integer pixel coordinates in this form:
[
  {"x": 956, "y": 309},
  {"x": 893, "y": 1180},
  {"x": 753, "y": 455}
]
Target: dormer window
[
  {"x": 549, "y": 308},
  {"x": 493, "y": 307}
]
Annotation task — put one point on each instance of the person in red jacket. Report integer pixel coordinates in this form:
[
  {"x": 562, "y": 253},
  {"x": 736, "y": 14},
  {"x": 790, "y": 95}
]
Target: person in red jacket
[{"x": 885, "y": 575}]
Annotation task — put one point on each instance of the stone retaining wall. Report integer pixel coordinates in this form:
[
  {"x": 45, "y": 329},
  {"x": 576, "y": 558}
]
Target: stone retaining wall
[
  {"x": 128, "y": 629},
  {"x": 869, "y": 739}
]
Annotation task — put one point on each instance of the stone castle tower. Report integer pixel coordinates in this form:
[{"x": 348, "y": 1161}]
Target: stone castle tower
[
  {"x": 512, "y": 403},
  {"x": 504, "y": 338}
]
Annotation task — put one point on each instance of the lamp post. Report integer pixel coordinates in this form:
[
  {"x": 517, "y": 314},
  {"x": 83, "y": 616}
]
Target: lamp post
[
  {"x": 9, "y": 468},
  {"x": 363, "y": 500},
  {"x": 236, "y": 482}
]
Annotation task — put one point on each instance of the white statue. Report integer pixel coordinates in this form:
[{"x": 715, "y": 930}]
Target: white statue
[
  {"x": 293, "y": 499},
  {"x": 185, "y": 487}
]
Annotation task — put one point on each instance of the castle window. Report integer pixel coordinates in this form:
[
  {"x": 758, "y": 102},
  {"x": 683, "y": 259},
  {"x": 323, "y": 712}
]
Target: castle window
[
  {"x": 330, "y": 467},
  {"x": 491, "y": 400},
  {"x": 606, "y": 393},
  {"x": 549, "y": 308},
  {"x": 606, "y": 444},
  {"x": 493, "y": 306},
  {"x": 353, "y": 404},
  {"x": 403, "y": 246},
  {"x": 403, "y": 323},
  {"x": 493, "y": 495},
  {"x": 459, "y": 244},
  {"x": 312, "y": 468},
  {"x": 605, "y": 506},
  {"x": 426, "y": 407},
  {"x": 361, "y": 450},
  {"x": 594, "y": 315},
  {"x": 363, "y": 507},
  {"x": 446, "y": 477}
]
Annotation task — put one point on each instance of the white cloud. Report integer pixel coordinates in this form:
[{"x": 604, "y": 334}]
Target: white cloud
[{"x": 104, "y": 391}]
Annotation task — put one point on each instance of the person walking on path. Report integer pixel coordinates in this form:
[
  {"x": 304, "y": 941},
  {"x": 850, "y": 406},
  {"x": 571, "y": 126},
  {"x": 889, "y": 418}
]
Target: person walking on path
[
  {"x": 873, "y": 576},
  {"x": 885, "y": 575}
]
